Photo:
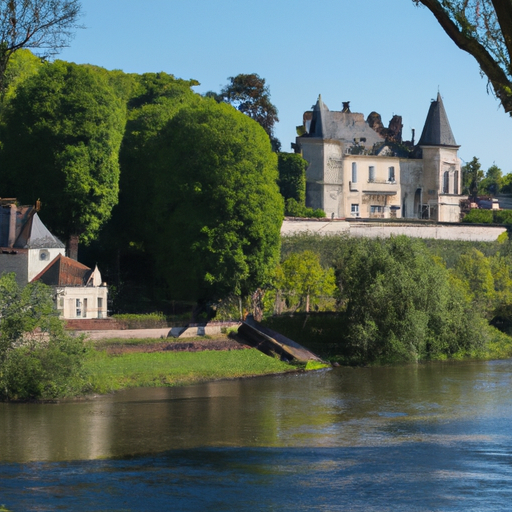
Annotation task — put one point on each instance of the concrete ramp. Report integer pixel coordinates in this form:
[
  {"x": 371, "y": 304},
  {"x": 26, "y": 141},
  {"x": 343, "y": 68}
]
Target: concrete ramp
[{"x": 269, "y": 341}]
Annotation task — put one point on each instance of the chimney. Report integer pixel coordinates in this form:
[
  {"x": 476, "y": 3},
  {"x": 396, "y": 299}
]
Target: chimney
[
  {"x": 12, "y": 225},
  {"x": 72, "y": 247}
]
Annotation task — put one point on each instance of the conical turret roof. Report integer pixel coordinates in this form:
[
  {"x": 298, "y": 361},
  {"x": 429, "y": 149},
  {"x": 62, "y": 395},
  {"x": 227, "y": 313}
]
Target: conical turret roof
[
  {"x": 317, "y": 128},
  {"x": 437, "y": 131}
]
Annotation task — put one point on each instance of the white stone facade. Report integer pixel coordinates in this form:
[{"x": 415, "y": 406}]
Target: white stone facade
[
  {"x": 82, "y": 301},
  {"x": 355, "y": 172}
]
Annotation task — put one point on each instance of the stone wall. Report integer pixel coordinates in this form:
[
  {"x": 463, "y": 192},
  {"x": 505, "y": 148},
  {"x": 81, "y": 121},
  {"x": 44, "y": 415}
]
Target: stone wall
[{"x": 456, "y": 231}]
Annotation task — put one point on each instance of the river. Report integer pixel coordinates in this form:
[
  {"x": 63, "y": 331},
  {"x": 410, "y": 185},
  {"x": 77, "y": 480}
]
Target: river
[{"x": 432, "y": 437}]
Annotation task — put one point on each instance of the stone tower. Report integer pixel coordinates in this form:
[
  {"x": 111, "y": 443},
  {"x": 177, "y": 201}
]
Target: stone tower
[{"x": 441, "y": 183}]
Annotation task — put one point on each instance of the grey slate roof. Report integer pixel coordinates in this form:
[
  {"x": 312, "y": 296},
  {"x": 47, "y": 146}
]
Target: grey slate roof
[
  {"x": 21, "y": 228},
  {"x": 36, "y": 236},
  {"x": 342, "y": 126},
  {"x": 437, "y": 131}
]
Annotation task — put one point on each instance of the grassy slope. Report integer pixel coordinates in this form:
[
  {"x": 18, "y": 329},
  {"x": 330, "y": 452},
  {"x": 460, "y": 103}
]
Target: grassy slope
[{"x": 110, "y": 373}]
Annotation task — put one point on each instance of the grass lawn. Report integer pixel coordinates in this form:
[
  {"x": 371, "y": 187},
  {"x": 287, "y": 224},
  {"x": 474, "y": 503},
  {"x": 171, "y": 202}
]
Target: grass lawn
[{"x": 110, "y": 373}]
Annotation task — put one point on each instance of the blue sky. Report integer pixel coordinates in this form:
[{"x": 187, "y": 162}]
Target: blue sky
[{"x": 388, "y": 56}]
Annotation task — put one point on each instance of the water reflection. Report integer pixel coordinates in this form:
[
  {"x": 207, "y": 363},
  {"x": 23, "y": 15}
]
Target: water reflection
[{"x": 439, "y": 403}]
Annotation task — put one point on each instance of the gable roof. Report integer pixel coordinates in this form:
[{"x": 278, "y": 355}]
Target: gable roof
[
  {"x": 437, "y": 131},
  {"x": 63, "y": 271}
]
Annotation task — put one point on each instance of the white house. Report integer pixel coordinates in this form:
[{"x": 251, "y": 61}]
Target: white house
[{"x": 29, "y": 250}]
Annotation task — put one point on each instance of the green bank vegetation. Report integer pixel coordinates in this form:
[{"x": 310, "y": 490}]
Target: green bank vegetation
[
  {"x": 397, "y": 299},
  {"x": 111, "y": 373}
]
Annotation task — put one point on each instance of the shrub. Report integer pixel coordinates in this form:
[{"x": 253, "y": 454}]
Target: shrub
[
  {"x": 44, "y": 370},
  {"x": 476, "y": 216}
]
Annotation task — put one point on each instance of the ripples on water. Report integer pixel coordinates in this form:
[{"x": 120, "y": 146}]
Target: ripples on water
[{"x": 430, "y": 437}]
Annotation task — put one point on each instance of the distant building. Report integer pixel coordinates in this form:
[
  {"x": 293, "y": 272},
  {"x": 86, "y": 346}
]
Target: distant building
[
  {"x": 29, "y": 250},
  {"x": 359, "y": 168}
]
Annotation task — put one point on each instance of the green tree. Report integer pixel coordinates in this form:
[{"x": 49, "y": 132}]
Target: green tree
[
  {"x": 400, "y": 303},
  {"x": 249, "y": 94},
  {"x": 155, "y": 100},
  {"x": 22, "y": 65},
  {"x": 61, "y": 138},
  {"x": 303, "y": 281},
  {"x": 38, "y": 359},
  {"x": 472, "y": 175},
  {"x": 492, "y": 182},
  {"x": 42, "y": 25},
  {"x": 292, "y": 176},
  {"x": 506, "y": 184},
  {"x": 474, "y": 271},
  {"x": 482, "y": 28},
  {"x": 217, "y": 207}
]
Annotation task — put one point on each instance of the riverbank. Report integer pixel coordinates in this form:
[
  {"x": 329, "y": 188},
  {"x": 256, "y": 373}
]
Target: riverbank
[{"x": 113, "y": 365}]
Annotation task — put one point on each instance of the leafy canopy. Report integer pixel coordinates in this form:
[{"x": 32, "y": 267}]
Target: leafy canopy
[
  {"x": 249, "y": 94},
  {"x": 38, "y": 359},
  {"x": 61, "y": 138},
  {"x": 217, "y": 207}
]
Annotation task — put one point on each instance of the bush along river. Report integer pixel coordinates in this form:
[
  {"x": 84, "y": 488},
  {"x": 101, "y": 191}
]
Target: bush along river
[{"x": 421, "y": 437}]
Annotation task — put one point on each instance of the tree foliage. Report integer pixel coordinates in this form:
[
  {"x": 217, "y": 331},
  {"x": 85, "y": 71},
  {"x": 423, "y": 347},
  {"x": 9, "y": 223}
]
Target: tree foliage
[
  {"x": 22, "y": 65},
  {"x": 154, "y": 100},
  {"x": 472, "y": 175},
  {"x": 61, "y": 139},
  {"x": 37, "y": 25},
  {"x": 302, "y": 280},
  {"x": 217, "y": 208},
  {"x": 249, "y": 94},
  {"x": 483, "y": 28},
  {"x": 292, "y": 176},
  {"x": 38, "y": 359}
]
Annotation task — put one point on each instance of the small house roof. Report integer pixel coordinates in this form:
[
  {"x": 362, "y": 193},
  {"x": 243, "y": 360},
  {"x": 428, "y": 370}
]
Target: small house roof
[{"x": 63, "y": 271}]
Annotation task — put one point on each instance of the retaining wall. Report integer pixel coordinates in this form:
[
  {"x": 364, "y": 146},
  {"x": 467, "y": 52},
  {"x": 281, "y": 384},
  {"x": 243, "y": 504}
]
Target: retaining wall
[{"x": 442, "y": 231}]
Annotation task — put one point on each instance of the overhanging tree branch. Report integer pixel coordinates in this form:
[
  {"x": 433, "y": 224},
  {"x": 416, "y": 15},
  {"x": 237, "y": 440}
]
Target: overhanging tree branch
[
  {"x": 465, "y": 37},
  {"x": 36, "y": 24}
]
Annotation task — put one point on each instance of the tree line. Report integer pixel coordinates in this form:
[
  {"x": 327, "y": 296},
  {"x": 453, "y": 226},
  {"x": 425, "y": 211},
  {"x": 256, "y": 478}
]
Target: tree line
[
  {"x": 161, "y": 185},
  {"x": 394, "y": 300}
]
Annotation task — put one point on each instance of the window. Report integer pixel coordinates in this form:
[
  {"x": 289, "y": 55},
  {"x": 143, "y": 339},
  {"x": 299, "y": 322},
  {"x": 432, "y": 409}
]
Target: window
[
  {"x": 456, "y": 183},
  {"x": 371, "y": 174},
  {"x": 391, "y": 174},
  {"x": 78, "y": 305},
  {"x": 354, "y": 172},
  {"x": 354, "y": 209},
  {"x": 100, "y": 307},
  {"x": 446, "y": 183},
  {"x": 376, "y": 209},
  {"x": 84, "y": 310}
]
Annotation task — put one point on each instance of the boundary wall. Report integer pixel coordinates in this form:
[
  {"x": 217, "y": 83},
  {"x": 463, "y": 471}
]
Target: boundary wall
[{"x": 441, "y": 231}]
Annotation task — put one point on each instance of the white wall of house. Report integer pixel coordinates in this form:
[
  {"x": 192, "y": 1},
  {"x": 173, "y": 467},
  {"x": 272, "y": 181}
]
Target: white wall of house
[
  {"x": 39, "y": 259},
  {"x": 82, "y": 301}
]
